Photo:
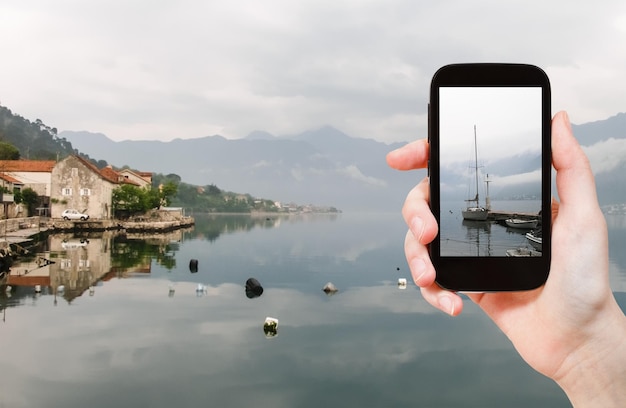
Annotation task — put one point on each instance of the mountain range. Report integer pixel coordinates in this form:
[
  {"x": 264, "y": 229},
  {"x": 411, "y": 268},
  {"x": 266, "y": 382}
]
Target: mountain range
[{"x": 327, "y": 167}]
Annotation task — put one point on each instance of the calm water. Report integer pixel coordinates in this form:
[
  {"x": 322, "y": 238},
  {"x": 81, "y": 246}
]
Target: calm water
[
  {"x": 128, "y": 341},
  {"x": 461, "y": 237}
]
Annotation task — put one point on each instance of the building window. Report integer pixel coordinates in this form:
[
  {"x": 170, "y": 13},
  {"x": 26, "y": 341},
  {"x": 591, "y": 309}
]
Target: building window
[
  {"x": 66, "y": 191},
  {"x": 85, "y": 191}
]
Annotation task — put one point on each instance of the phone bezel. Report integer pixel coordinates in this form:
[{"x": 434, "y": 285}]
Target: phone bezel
[{"x": 488, "y": 274}]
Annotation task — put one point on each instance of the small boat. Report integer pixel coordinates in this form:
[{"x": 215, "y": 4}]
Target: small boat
[
  {"x": 534, "y": 237},
  {"x": 522, "y": 252},
  {"x": 522, "y": 224}
]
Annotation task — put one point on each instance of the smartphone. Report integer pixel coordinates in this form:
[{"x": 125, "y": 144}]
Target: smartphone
[{"x": 490, "y": 176}]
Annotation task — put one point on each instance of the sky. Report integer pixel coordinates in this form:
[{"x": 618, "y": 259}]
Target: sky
[
  {"x": 161, "y": 70},
  {"x": 506, "y": 121}
]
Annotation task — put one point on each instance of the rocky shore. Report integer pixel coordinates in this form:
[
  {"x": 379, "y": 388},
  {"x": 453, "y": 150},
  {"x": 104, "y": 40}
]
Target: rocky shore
[{"x": 152, "y": 226}]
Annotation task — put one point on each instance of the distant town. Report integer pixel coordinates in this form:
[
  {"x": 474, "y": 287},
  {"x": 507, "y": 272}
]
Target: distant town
[{"x": 614, "y": 209}]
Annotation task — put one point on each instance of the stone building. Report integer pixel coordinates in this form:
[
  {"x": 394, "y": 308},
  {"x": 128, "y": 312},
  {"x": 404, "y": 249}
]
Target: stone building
[
  {"x": 78, "y": 184},
  {"x": 69, "y": 183}
]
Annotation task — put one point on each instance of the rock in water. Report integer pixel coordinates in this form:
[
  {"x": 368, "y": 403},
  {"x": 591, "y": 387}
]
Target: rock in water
[{"x": 253, "y": 288}]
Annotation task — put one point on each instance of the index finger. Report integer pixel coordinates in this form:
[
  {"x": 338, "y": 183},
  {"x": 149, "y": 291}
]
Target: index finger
[{"x": 411, "y": 156}]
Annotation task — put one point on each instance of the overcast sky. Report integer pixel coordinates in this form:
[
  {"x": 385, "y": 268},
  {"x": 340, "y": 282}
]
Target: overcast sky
[
  {"x": 184, "y": 69},
  {"x": 507, "y": 121}
]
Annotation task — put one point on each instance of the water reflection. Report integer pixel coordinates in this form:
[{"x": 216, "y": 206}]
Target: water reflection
[
  {"x": 74, "y": 264},
  {"x": 68, "y": 265},
  {"x": 477, "y": 237},
  {"x": 211, "y": 227},
  {"x": 148, "y": 337}
]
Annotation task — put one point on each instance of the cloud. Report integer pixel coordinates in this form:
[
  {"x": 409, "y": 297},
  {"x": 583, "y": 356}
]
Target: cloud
[
  {"x": 523, "y": 178},
  {"x": 189, "y": 69},
  {"x": 607, "y": 155},
  {"x": 353, "y": 172}
]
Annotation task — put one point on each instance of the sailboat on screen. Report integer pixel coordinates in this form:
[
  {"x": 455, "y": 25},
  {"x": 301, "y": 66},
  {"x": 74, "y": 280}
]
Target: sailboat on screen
[{"x": 474, "y": 211}]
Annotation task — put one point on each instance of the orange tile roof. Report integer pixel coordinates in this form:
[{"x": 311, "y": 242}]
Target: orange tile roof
[
  {"x": 106, "y": 173},
  {"x": 109, "y": 174},
  {"x": 40, "y": 166},
  {"x": 46, "y": 166},
  {"x": 26, "y": 280}
]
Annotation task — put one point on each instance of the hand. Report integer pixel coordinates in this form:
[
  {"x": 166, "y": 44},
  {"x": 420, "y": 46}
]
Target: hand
[{"x": 570, "y": 328}]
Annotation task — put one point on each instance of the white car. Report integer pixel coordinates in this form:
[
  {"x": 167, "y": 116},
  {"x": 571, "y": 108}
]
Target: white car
[
  {"x": 71, "y": 214},
  {"x": 75, "y": 243}
]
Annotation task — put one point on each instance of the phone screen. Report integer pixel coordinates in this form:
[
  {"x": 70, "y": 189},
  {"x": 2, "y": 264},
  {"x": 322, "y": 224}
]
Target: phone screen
[
  {"x": 489, "y": 133},
  {"x": 490, "y": 171}
]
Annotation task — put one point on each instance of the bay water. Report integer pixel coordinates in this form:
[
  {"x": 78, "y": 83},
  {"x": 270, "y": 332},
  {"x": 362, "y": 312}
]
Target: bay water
[{"x": 135, "y": 326}]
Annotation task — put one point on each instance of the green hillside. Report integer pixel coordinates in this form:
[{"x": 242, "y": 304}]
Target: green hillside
[{"x": 34, "y": 140}]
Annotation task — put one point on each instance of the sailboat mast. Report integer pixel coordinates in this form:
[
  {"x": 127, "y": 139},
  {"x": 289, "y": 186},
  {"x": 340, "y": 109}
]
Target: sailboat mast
[{"x": 476, "y": 165}]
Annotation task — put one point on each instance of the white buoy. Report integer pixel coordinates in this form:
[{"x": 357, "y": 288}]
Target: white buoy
[
  {"x": 8, "y": 289},
  {"x": 200, "y": 290},
  {"x": 402, "y": 283},
  {"x": 270, "y": 327},
  {"x": 37, "y": 288},
  {"x": 330, "y": 288},
  {"x": 60, "y": 289},
  {"x": 92, "y": 291}
]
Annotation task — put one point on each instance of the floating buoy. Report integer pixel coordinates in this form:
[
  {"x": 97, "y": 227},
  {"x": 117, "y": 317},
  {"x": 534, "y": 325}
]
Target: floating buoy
[
  {"x": 92, "y": 291},
  {"x": 330, "y": 288},
  {"x": 37, "y": 288},
  {"x": 270, "y": 327},
  {"x": 193, "y": 265},
  {"x": 253, "y": 288},
  {"x": 60, "y": 289},
  {"x": 402, "y": 283},
  {"x": 200, "y": 290}
]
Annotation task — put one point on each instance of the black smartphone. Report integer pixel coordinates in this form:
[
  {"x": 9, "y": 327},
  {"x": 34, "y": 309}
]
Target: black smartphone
[{"x": 490, "y": 176}]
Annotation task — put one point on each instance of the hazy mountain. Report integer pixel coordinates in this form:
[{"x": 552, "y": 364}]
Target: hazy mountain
[
  {"x": 594, "y": 132},
  {"x": 322, "y": 166},
  {"x": 605, "y": 144},
  {"x": 327, "y": 167}
]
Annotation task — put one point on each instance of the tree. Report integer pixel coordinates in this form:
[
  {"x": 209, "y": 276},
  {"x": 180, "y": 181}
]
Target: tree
[
  {"x": 213, "y": 190},
  {"x": 166, "y": 192},
  {"x": 8, "y": 151},
  {"x": 133, "y": 199},
  {"x": 130, "y": 198},
  {"x": 30, "y": 198}
]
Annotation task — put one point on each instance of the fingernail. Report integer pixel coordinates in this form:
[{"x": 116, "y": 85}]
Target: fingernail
[
  {"x": 418, "y": 269},
  {"x": 567, "y": 121},
  {"x": 417, "y": 227},
  {"x": 447, "y": 305}
]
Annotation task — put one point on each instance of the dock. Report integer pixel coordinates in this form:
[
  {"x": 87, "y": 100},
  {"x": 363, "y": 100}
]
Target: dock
[
  {"x": 21, "y": 231},
  {"x": 127, "y": 226},
  {"x": 500, "y": 216}
]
